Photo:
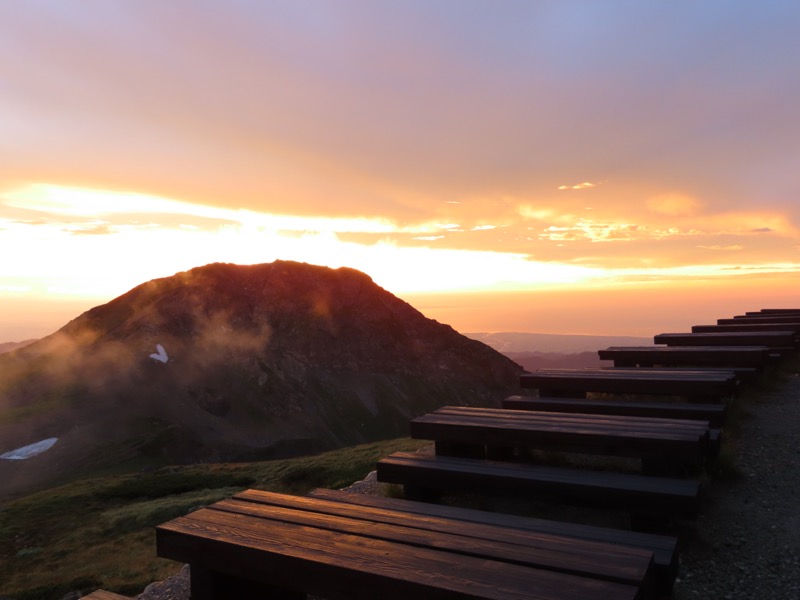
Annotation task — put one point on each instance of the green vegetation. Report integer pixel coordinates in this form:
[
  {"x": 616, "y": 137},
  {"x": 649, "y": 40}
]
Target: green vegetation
[{"x": 99, "y": 533}]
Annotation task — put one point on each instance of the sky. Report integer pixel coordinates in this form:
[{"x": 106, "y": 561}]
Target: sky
[{"x": 613, "y": 167}]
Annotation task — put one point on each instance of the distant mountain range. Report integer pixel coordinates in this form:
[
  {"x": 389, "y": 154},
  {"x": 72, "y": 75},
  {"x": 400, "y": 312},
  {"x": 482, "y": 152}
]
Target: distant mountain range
[
  {"x": 511, "y": 343},
  {"x": 552, "y": 351},
  {"x": 9, "y": 346},
  {"x": 228, "y": 362}
]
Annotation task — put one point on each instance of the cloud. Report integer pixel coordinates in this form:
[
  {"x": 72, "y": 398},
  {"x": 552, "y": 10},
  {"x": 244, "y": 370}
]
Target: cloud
[
  {"x": 674, "y": 205},
  {"x": 579, "y": 186},
  {"x": 399, "y": 124},
  {"x": 730, "y": 248}
]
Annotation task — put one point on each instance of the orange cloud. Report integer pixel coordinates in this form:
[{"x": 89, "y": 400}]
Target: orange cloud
[
  {"x": 674, "y": 205},
  {"x": 580, "y": 186}
]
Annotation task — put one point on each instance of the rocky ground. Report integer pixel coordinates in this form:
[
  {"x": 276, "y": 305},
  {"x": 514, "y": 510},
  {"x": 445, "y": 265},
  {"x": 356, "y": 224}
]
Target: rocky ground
[{"x": 746, "y": 544}]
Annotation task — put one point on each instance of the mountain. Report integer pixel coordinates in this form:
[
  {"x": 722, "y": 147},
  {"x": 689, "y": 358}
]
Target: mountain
[
  {"x": 510, "y": 343},
  {"x": 227, "y": 362},
  {"x": 9, "y": 346}
]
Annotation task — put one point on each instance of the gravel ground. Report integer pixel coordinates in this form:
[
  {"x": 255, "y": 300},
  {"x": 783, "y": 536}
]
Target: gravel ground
[{"x": 746, "y": 543}]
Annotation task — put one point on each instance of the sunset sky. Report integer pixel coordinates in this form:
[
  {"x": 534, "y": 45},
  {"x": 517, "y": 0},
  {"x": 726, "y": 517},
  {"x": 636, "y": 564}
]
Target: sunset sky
[{"x": 615, "y": 167}]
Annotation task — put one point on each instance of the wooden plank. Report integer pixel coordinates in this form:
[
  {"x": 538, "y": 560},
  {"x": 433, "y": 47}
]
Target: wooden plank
[
  {"x": 638, "y": 493},
  {"x": 555, "y": 553},
  {"x": 771, "y": 339},
  {"x": 733, "y": 356},
  {"x": 664, "y": 548},
  {"x": 343, "y": 566},
  {"x": 713, "y": 413}
]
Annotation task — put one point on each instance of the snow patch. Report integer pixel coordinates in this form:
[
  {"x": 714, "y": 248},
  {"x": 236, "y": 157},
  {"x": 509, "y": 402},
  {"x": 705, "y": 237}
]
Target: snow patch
[
  {"x": 29, "y": 450},
  {"x": 160, "y": 355}
]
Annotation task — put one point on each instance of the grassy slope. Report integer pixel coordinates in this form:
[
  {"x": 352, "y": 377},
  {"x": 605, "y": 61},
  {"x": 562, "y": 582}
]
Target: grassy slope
[{"x": 100, "y": 532}]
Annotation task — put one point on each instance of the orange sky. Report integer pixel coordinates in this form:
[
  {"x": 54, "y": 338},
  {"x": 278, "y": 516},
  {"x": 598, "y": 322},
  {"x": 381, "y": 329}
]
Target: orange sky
[{"x": 623, "y": 160}]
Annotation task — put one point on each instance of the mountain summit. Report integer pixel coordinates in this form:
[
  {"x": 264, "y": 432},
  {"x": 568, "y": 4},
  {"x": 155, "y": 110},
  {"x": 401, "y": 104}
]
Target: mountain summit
[{"x": 230, "y": 362}]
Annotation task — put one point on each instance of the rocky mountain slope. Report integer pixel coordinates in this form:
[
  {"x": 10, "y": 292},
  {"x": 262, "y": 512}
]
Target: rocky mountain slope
[{"x": 227, "y": 362}]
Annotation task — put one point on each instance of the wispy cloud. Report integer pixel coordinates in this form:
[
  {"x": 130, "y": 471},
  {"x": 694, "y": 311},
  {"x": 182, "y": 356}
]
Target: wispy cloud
[{"x": 578, "y": 186}]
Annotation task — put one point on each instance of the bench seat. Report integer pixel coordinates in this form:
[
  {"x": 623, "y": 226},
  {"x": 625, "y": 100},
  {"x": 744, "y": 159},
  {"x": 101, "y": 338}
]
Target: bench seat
[
  {"x": 696, "y": 385},
  {"x": 686, "y": 356},
  {"x": 481, "y": 429},
  {"x": 663, "y": 547},
  {"x": 740, "y": 373},
  {"x": 776, "y": 341},
  {"x": 638, "y": 494},
  {"x": 775, "y": 311},
  {"x": 261, "y": 544},
  {"x": 104, "y": 595},
  {"x": 740, "y": 327},
  {"x": 713, "y": 413}
]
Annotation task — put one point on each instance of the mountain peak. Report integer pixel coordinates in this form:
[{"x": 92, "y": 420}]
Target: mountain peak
[{"x": 233, "y": 362}]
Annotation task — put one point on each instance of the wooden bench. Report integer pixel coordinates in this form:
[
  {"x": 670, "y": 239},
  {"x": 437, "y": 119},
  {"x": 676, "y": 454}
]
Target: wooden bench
[
  {"x": 267, "y": 545},
  {"x": 694, "y": 385},
  {"x": 686, "y": 356},
  {"x": 664, "y": 548},
  {"x": 774, "y": 340},
  {"x": 793, "y": 328},
  {"x": 427, "y": 477},
  {"x": 493, "y": 432},
  {"x": 764, "y": 320},
  {"x": 713, "y": 413},
  {"x": 747, "y": 327}
]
